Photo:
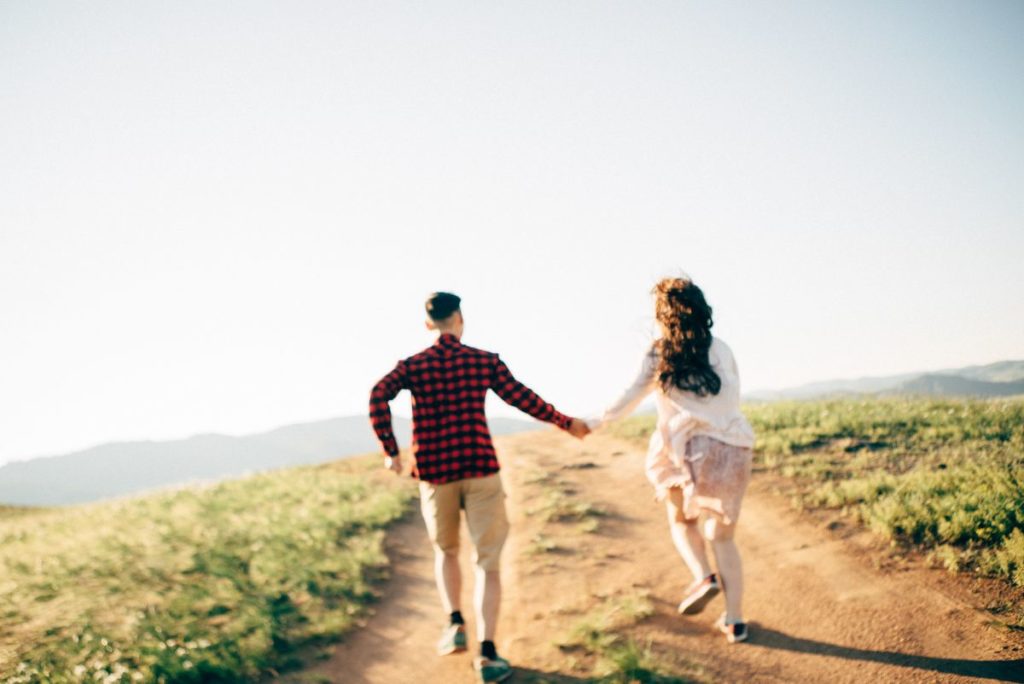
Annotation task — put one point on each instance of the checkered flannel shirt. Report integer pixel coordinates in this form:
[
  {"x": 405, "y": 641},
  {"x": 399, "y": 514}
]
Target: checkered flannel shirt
[{"x": 449, "y": 381}]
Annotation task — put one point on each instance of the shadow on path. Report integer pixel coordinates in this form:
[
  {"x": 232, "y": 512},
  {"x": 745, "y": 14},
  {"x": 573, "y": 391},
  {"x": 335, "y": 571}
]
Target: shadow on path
[
  {"x": 1003, "y": 670},
  {"x": 525, "y": 675}
]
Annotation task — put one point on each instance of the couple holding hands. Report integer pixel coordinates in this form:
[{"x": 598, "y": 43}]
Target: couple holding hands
[{"x": 699, "y": 458}]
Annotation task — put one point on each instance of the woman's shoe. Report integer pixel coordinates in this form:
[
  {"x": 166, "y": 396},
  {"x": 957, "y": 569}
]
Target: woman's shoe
[
  {"x": 698, "y": 595},
  {"x": 735, "y": 632}
]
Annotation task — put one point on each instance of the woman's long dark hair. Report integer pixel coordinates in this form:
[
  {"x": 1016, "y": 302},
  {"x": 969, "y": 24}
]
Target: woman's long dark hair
[{"x": 685, "y": 320}]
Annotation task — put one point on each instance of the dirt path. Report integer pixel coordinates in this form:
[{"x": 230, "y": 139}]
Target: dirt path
[{"x": 590, "y": 566}]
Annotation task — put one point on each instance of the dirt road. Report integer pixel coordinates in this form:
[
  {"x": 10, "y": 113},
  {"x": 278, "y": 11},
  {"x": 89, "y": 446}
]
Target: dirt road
[{"x": 590, "y": 567}]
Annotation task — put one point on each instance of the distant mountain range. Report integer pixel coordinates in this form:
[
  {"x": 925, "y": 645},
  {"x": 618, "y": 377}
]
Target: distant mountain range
[
  {"x": 126, "y": 467},
  {"x": 1004, "y": 378}
]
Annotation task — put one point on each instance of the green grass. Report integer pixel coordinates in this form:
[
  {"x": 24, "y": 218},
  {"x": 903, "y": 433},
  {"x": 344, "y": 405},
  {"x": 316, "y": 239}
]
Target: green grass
[
  {"x": 559, "y": 503},
  {"x": 946, "y": 476},
  {"x": 557, "y": 506},
  {"x": 629, "y": 662},
  {"x": 223, "y": 583},
  {"x": 619, "y": 659}
]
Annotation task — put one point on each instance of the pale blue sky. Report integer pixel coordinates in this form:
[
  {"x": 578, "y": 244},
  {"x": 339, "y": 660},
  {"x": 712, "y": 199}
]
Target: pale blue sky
[{"x": 225, "y": 216}]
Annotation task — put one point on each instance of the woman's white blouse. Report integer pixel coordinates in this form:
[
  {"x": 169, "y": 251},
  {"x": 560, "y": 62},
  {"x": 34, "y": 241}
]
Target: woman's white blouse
[{"x": 682, "y": 414}]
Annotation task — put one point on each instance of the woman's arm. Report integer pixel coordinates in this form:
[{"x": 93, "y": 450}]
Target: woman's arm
[{"x": 641, "y": 386}]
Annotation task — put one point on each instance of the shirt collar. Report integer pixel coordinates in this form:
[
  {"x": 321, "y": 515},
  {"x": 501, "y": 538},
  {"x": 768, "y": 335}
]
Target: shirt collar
[{"x": 448, "y": 340}]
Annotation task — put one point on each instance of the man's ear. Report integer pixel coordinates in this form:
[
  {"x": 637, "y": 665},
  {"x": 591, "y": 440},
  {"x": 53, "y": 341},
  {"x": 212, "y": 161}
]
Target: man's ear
[{"x": 431, "y": 325}]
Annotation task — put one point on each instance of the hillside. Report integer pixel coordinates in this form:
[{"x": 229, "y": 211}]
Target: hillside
[
  {"x": 246, "y": 579},
  {"x": 222, "y": 583},
  {"x": 937, "y": 384},
  {"x": 127, "y": 467},
  {"x": 1003, "y": 378},
  {"x": 1001, "y": 371}
]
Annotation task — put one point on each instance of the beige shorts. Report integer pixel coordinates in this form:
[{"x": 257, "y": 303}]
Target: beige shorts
[{"x": 483, "y": 499}]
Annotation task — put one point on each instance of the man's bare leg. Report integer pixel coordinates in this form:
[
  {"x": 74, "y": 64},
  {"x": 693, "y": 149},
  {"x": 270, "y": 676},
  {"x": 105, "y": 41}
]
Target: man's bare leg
[
  {"x": 449, "y": 578},
  {"x": 488, "y": 603}
]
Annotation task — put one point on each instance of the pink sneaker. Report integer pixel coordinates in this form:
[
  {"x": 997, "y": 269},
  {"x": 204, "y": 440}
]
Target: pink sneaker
[{"x": 698, "y": 595}]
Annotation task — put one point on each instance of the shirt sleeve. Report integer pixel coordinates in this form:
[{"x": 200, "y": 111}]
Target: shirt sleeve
[
  {"x": 386, "y": 389},
  {"x": 642, "y": 385},
  {"x": 515, "y": 393}
]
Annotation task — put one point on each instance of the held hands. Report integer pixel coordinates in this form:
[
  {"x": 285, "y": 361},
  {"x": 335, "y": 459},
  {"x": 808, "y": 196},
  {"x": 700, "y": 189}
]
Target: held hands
[{"x": 578, "y": 428}]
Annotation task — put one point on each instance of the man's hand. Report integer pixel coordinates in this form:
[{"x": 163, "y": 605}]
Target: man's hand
[
  {"x": 393, "y": 463},
  {"x": 578, "y": 428}
]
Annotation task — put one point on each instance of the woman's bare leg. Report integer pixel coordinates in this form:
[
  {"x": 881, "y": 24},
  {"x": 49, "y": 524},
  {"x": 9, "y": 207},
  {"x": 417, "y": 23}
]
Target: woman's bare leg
[
  {"x": 686, "y": 536},
  {"x": 730, "y": 566}
]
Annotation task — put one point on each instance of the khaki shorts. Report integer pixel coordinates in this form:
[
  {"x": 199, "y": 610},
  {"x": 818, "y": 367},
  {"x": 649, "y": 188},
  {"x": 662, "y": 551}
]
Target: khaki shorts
[{"x": 483, "y": 499}]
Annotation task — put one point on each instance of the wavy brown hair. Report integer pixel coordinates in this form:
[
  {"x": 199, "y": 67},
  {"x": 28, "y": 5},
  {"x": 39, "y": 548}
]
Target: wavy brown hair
[{"x": 685, "y": 320}]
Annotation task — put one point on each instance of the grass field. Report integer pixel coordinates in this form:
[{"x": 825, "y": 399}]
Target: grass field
[
  {"x": 945, "y": 476},
  {"x": 219, "y": 583},
  {"x": 231, "y": 582}
]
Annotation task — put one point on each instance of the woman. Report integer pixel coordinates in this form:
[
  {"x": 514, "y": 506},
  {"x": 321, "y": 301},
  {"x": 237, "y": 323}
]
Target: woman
[{"x": 699, "y": 457}]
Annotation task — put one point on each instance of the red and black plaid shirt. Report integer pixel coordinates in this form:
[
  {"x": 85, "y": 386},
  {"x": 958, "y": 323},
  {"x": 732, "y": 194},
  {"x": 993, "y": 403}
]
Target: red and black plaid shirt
[{"x": 449, "y": 381}]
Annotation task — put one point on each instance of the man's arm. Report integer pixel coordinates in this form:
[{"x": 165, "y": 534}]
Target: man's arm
[
  {"x": 386, "y": 389},
  {"x": 515, "y": 393}
]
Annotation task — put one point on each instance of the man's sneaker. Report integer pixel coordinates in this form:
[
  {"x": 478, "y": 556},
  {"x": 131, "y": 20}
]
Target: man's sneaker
[
  {"x": 734, "y": 633},
  {"x": 453, "y": 640},
  {"x": 698, "y": 595},
  {"x": 495, "y": 669}
]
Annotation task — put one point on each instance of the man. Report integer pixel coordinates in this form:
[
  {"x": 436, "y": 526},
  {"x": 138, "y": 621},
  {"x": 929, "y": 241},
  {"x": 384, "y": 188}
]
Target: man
[{"x": 455, "y": 462}]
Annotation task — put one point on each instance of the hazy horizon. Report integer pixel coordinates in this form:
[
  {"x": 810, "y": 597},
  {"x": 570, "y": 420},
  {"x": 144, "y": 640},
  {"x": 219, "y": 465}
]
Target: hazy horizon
[
  {"x": 400, "y": 414},
  {"x": 225, "y": 218}
]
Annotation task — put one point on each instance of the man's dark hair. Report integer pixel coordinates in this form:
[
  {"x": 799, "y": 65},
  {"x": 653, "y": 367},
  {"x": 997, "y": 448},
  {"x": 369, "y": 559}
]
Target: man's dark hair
[{"x": 441, "y": 305}]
